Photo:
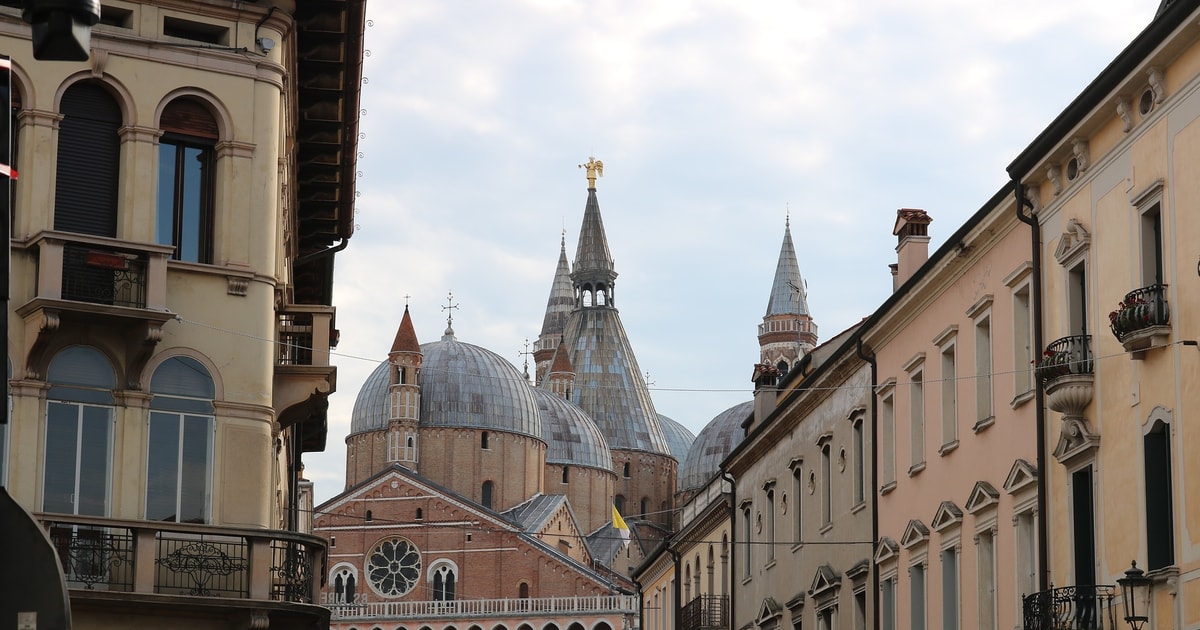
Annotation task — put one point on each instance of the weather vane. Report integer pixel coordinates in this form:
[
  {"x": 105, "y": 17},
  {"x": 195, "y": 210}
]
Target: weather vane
[
  {"x": 450, "y": 307},
  {"x": 595, "y": 168},
  {"x": 526, "y": 354}
]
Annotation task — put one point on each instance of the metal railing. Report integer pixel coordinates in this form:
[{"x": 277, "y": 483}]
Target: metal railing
[
  {"x": 705, "y": 611},
  {"x": 593, "y": 604},
  {"x": 1071, "y": 608},
  {"x": 186, "y": 559},
  {"x": 1141, "y": 308},
  {"x": 104, "y": 275},
  {"x": 1066, "y": 356}
]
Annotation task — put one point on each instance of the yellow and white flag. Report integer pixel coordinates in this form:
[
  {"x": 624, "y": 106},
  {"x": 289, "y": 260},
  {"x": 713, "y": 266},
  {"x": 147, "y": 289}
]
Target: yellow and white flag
[{"x": 620, "y": 526}]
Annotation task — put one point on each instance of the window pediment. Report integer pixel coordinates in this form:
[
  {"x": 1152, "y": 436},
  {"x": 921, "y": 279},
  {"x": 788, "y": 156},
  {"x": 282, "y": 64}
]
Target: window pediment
[
  {"x": 887, "y": 549},
  {"x": 947, "y": 514},
  {"x": 1020, "y": 476},
  {"x": 915, "y": 533},
  {"x": 1073, "y": 243},
  {"x": 825, "y": 582},
  {"x": 982, "y": 495}
]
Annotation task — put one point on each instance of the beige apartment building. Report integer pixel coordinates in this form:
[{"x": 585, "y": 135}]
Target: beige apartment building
[
  {"x": 1111, "y": 187},
  {"x": 181, "y": 198}
]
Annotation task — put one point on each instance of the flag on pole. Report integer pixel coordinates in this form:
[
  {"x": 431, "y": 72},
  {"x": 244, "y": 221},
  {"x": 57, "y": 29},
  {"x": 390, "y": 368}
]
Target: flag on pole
[{"x": 621, "y": 527}]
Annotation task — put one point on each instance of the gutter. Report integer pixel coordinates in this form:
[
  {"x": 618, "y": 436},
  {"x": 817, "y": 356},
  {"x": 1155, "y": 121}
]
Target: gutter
[
  {"x": 869, "y": 357},
  {"x": 676, "y": 604},
  {"x": 1035, "y": 234},
  {"x": 732, "y": 542}
]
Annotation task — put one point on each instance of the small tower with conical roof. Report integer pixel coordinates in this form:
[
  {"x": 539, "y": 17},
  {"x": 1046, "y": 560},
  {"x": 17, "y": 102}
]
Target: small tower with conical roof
[
  {"x": 561, "y": 375},
  {"x": 404, "y": 395},
  {"x": 788, "y": 331},
  {"x": 558, "y": 309}
]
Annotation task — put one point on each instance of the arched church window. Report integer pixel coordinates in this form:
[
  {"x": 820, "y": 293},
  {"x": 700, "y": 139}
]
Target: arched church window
[
  {"x": 486, "y": 499},
  {"x": 782, "y": 366},
  {"x": 345, "y": 584},
  {"x": 444, "y": 579},
  {"x": 566, "y": 474},
  {"x": 420, "y": 514},
  {"x": 625, "y": 470},
  {"x": 523, "y": 591}
]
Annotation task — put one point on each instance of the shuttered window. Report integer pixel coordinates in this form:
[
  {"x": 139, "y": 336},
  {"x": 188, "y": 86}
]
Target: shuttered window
[
  {"x": 184, "y": 214},
  {"x": 89, "y": 151}
]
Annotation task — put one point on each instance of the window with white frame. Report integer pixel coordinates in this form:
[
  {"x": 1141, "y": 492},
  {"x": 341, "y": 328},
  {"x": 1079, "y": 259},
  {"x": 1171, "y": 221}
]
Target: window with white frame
[
  {"x": 948, "y": 352},
  {"x": 826, "y": 481},
  {"x": 770, "y": 525},
  {"x": 344, "y": 580},
  {"x": 1025, "y": 524},
  {"x": 443, "y": 578},
  {"x": 746, "y": 543},
  {"x": 984, "y": 412},
  {"x": 860, "y": 610},
  {"x": 797, "y": 502},
  {"x": 76, "y": 478},
  {"x": 887, "y": 435},
  {"x": 179, "y": 449},
  {"x": 395, "y": 446},
  {"x": 916, "y": 420},
  {"x": 859, "y": 457},
  {"x": 1160, "y": 528},
  {"x": 1022, "y": 340}
]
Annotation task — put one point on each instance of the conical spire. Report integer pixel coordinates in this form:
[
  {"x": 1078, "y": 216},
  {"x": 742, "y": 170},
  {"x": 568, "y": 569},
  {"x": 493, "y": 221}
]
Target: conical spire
[
  {"x": 592, "y": 255},
  {"x": 558, "y": 309},
  {"x": 789, "y": 295},
  {"x": 406, "y": 335}
]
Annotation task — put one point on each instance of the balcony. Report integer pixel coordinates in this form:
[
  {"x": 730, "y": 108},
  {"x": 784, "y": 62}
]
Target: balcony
[
  {"x": 303, "y": 376},
  {"x": 705, "y": 612},
  {"x": 1071, "y": 608},
  {"x": 166, "y": 568},
  {"x": 1066, "y": 373},
  {"x": 481, "y": 608},
  {"x": 94, "y": 282},
  {"x": 1142, "y": 320}
]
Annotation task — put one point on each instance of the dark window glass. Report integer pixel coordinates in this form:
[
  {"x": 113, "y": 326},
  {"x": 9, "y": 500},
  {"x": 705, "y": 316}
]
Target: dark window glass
[{"x": 1160, "y": 532}]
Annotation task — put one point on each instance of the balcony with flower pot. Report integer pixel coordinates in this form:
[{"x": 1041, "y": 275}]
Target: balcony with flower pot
[{"x": 1142, "y": 320}]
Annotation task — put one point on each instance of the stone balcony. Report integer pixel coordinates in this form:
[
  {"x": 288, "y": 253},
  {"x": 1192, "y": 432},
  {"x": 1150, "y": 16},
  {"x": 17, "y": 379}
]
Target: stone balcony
[
  {"x": 113, "y": 567},
  {"x": 1066, "y": 372},
  {"x": 525, "y": 608}
]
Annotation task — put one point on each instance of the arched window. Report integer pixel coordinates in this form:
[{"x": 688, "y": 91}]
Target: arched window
[
  {"x": 444, "y": 579},
  {"x": 625, "y": 470},
  {"x": 79, "y": 433},
  {"x": 645, "y": 507},
  {"x": 523, "y": 590},
  {"x": 486, "y": 499},
  {"x": 344, "y": 585},
  {"x": 179, "y": 451},
  {"x": 619, "y": 502},
  {"x": 186, "y": 158},
  {"x": 483, "y": 439},
  {"x": 89, "y": 153},
  {"x": 420, "y": 514},
  {"x": 566, "y": 474}
]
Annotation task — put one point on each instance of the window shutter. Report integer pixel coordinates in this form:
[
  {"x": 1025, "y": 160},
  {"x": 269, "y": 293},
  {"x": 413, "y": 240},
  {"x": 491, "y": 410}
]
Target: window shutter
[
  {"x": 89, "y": 151},
  {"x": 189, "y": 117}
]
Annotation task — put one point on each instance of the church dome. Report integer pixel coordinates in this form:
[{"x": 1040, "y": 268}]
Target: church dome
[
  {"x": 572, "y": 438},
  {"x": 679, "y": 439},
  {"x": 462, "y": 385},
  {"x": 713, "y": 445}
]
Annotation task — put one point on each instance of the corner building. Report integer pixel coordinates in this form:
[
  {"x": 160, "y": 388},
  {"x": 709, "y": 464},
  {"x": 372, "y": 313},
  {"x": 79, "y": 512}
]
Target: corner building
[{"x": 181, "y": 199}]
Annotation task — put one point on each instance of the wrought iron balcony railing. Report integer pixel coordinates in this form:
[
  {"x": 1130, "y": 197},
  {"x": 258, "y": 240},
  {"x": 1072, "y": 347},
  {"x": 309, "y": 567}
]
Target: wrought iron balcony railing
[
  {"x": 99, "y": 270},
  {"x": 1066, "y": 356},
  {"x": 306, "y": 335},
  {"x": 1141, "y": 309},
  {"x": 705, "y": 612},
  {"x": 100, "y": 554},
  {"x": 525, "y": 607},
  {"x": 1071, "y": 608}
]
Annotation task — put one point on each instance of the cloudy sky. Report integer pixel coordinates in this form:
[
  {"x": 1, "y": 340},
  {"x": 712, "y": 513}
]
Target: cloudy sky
[{"x": 714, "y": 119}]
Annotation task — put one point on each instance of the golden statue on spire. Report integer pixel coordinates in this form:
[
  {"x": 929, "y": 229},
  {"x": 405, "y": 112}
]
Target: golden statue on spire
[{"x": 595, "y": 168}]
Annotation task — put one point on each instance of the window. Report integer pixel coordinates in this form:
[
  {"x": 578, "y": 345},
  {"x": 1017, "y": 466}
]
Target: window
[
  {"x": 566, "y": 474},
  {"x": 859, "y": 456},
  {"x": 950, "y": 602},
  {"x": 1077, "y": 299},
  {"x": 186, "y": 159},
  {"x": 826, "y": 485},
  {"x": 410, "y": 447},
  {"x": 1151, "y": 245},
  {"x": 344, "y": 585},
  {"x": 770, "y": 523},
  {"x": 949, "y": 396},
  {"x": 444, "y": 579},
  {"x": 983, "y": 371},
  {"x": 1160, "y": 531},
  {"x": 887, "y": 434},
  {"x": 644, "y": 507},
  {"x": 860, "y": 610},
  {"x": 1083, "y": 526},
  {"x": 986, "y": 580},
  {"x": 179, "y": 451},
  {"x": 916, "y": 421},
  {"x": 483, "y": 440},
  {"x": 486, "y": 499},
  {"x": 523, "y": 591},
  {"x": 916, "y": 609},
  {"x": 619, "y": 503},
  {"x": 625, "y": 470},
  {"x": 394, "y": 450},
  {"x": 1026, "y": 553},
  {"x": 825, "y": 618},
  {"x": 797, "y": 502},
  {"x": 746, "y": 545},
  {"x": 89, "y": 153},
  {"x": 1022, "y": 341},
  {"x": 887, "y": 603},
  {"x": 79, "y": 433}
]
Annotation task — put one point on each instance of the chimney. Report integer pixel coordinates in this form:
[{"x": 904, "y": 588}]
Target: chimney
[{"x": 912, "y": 243}]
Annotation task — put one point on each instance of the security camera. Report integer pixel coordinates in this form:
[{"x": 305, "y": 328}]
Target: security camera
[
  {"x": 266, "y": 44},
  {"x": 62, "y": 29}
]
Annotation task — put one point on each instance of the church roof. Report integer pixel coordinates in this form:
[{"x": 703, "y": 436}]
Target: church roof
[
  {"x": 789, "y": 295},
  {"x": 592, "y": 254},
  {"x": 562, "y": 361},
  {"x": 679, "y": 438},
  {"x": 715, "y": 442},
  {"x": 571, "y": 437},
  {"x": 562, "y": 296},
  {"x": 406, "y": 336},
  {"x": 534, "y": 512},
  {"x": 462, "y": 385}
]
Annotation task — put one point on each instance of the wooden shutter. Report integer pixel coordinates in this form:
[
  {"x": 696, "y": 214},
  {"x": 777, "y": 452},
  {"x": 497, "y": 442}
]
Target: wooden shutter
[{"x": 89, "y": 151}]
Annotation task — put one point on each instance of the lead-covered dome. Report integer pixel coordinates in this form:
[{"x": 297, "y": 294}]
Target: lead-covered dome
[
  {"x": 462, "y": 385},
  {"x": 715, "y": 442},
  {"x": 679, "y": 439},
  {"x": 572, "y": 438}
]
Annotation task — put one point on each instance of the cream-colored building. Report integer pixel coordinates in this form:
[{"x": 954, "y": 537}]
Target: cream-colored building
[
  {"x": 1111, "y": 184},
  {"x": 957, "y": 447},
  {"x": 181, "y": 196}
]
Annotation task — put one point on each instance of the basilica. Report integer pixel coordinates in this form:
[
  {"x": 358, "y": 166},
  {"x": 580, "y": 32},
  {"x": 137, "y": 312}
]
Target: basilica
[{"x": 478, "y": 497}]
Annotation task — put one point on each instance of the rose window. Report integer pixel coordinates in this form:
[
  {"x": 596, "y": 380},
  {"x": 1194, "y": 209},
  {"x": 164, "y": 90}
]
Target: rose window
[{"x": 393, "y": 567}]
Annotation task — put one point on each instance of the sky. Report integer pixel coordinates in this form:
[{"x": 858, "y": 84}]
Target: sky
[{"x": 716, "y": 120}]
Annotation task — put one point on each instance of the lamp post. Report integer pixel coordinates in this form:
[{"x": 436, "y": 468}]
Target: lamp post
[{"x": 1135, "y": 593}]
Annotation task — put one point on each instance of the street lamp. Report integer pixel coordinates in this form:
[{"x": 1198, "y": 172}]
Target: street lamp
[{"x": 1135, "y": 592}]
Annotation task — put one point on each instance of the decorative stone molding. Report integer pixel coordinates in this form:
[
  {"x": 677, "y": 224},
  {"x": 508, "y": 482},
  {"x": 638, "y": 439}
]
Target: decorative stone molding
[
  {"x": 1054, "y": 175},
  {"x": 915, "y": 533},
  {"x": 1075, "y": 242},
  {"x": 1125, "y": 111},
  {"x": 947, "y": 514},
  {"x": 1157, "y": 83},
  {"x": 1079, "y": 147},
  {"x": 887, "y": 549},
  {"x": 236, "y": 285},
  {"x": 983, "y": 495},
  {"x": 1033, "y": 194},
  {"x": 1076, "y": 441},
  {"x": 1022, "y": 475},
  {"x": 230, "y": 148},
  {"x": 1070, "y": 394}
]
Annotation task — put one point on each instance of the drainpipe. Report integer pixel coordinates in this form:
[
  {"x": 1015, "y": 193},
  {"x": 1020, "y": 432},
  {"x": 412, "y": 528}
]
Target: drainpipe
[
  {"x": 641, "y": 606},
  {"x": 676, "y": 604},
  {"x": 869, "y": 357},
  {"x": 732, "y": 543},
  {"x": 1035, "y": 235}
]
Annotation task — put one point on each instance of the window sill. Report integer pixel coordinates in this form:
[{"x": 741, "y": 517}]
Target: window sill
[
  {"x": 916, "y": 469},
  {"x": 769, "y": 565},
  {"x": 983, "y": 424},
  {"x": 1021, "y": 399},
  {"x": 826, "y": 528},
  {"x": 861, "y": 505},
  {"x": 797, "y": 547},
  {"x": 887, "y": 487},
  {"x": 746, "y": 580},
  {"x": 947, "y": 448}
]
